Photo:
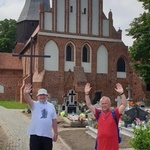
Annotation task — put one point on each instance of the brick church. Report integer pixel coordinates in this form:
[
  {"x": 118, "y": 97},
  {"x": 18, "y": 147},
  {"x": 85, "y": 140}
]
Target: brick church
[{"x": 83, "y": 46}]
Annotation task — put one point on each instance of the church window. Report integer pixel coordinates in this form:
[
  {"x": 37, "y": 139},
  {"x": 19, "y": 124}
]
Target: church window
[
  {"x": 69, "y": 53},
  {"x": 121, "y": 65},
  {"x": 71, "y": 9},
  {"x": 85, "y": 54},
  {"x": 84, "y": 11},
  {"x": 102, "y": 60},
  {"x": 1, "y": 89}
]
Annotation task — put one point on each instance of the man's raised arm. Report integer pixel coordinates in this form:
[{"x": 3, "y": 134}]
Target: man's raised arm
[
  {"x": 120, "y": 90},
  {"x": 87, "y": 98},
  {"x": 27, "y": 97}
]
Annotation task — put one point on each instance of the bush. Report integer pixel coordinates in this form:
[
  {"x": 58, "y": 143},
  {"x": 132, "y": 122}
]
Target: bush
[{"x": 141, "y": 138}]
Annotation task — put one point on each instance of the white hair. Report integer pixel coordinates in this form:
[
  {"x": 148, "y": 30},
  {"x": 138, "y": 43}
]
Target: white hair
[{"x": 105, "y": 97}]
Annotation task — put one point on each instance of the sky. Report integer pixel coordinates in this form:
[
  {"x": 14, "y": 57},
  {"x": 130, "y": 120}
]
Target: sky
[{"x": 124, "y": 11}]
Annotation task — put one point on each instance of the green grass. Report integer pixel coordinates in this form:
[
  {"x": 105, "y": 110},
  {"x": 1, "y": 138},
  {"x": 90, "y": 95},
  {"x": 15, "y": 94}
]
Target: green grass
[{"x": 13, "y": 105}]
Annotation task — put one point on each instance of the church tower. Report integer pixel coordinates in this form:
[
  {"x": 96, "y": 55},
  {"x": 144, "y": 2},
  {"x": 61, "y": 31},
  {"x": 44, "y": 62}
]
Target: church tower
[{"x": 29, "y": 19}]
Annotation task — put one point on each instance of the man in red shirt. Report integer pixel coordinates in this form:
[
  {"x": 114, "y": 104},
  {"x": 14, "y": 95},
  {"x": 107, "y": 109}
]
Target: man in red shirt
[{"x": 107, "y": 136}]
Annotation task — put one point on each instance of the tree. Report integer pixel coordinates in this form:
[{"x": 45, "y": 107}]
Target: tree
[
  {"x": 7, "y": 35},
  {"x": 140, "y": 50}
]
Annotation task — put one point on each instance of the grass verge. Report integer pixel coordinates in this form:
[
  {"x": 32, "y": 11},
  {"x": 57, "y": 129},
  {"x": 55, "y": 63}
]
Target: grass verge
[{"x": 13, "y": 104}]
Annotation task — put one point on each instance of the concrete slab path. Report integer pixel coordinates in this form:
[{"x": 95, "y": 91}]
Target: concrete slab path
[{"x": 15, "y": 125}]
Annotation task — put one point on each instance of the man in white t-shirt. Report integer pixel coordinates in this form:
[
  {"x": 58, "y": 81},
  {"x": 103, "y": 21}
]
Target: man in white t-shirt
[{"x": 43, "y": 120}]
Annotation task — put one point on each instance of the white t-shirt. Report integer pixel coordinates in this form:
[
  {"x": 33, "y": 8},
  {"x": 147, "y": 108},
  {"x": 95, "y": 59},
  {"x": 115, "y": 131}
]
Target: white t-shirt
[{"x": 41, "y": 119}]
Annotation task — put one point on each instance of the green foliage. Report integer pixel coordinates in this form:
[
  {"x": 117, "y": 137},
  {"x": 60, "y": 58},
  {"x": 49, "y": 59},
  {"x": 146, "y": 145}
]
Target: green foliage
[
  {"x": 28, "y": 110},
  {"x": 7, "y": 35},
  {"x": 140, "y": 50},
  {"x": 141, "y": 140},
  {"x": 63, "y": 114},
  {"x": 13, "y": 104},
  {"x": 125, "y": 118}
]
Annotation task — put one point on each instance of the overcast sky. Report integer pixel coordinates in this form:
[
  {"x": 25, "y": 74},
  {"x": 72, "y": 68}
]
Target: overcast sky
[{"x": 124, "y": 11}]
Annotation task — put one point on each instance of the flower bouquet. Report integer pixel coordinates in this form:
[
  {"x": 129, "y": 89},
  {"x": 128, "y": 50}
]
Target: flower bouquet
[
  {"x": 81, "y": 117},
  {"x": 126, "y": 118}
]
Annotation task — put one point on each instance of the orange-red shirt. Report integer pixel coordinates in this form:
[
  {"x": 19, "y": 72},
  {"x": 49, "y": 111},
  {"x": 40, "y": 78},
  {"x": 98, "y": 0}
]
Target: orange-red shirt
[{"x": 107, "y": 131}]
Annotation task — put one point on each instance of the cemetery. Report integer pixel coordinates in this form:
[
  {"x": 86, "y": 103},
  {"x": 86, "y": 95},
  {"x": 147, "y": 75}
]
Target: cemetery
[
  {"x": 135, "y": 116},
  {"x": 77, "y": 119},
  {"x": 78, "y": 127},
  {"x": 73, "y": 112}
]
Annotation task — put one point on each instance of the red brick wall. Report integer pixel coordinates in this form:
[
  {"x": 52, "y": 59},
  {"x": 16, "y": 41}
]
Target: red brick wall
[
  {"x": 10, "y": 80},
  {"x": 59, "y": 83}
]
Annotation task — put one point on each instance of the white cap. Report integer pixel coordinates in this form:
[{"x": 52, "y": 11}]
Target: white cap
[{"x": 42, "y": 91}]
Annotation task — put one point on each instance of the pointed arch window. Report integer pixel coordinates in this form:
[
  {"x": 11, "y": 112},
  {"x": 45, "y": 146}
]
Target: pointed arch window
[
  {"x": 69, "y": 53},
  {"x": 71, "y": 9},
  {"x": 85, "y": 54},
  {"x": 121, "y": 65}
]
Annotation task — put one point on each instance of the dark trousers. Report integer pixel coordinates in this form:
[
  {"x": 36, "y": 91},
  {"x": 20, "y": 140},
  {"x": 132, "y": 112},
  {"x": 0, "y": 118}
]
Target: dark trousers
[{"x": 40, "y": 143}]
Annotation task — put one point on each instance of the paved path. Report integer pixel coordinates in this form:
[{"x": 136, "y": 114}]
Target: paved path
[{"x": 15, "y": 125}]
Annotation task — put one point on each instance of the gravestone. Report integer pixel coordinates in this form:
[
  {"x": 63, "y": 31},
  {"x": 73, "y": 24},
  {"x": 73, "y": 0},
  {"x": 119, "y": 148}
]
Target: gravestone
[
  {"x": 72, "y": 97},
  {"x": 70, "y": 105},
  {"x": 54, "y": 101},
  {"x": 64, "y": 102},
  {"x": 118, "y": 100},
  {"x": 142, "y": 104},
  {"x": 129, "y": 92},
  {"x": 129, "y": 96},
  {"x": 136, "y": 112},
  {"x": 82, "y": 106}
]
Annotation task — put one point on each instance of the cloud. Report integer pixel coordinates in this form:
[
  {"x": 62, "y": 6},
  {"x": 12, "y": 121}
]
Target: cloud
[
  {"x": 11, "y": 9},
  {"x": 124, "y": 12}
]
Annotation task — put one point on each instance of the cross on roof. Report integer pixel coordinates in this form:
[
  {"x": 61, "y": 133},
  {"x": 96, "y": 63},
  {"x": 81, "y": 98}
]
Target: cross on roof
[{"x": 31, "y": 58}]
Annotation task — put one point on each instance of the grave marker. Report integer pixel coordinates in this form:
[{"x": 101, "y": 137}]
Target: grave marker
[
  {"x": 71, "y": 97},
  {"x": 136, "y": 112},
  {"x": 118, "y": 100},
  {"x": 128, "y": 88}
]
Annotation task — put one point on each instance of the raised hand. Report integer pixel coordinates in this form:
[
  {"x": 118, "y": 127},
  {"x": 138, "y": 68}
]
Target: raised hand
[
  {"x": 27, "y": 88},
  {"x": 87, "y": 88},
  {"x": 119, "y": 88}
]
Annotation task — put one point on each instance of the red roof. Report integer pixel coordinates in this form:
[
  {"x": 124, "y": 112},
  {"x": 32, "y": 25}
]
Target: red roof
[{"x": 18, "y": 47}]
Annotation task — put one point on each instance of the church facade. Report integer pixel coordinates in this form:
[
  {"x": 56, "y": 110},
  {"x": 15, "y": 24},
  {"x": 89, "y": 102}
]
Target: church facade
[{"x": 83, "y": 46}]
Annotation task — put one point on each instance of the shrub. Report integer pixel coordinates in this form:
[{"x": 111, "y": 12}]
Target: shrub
[{"x": 141, "y": 138}]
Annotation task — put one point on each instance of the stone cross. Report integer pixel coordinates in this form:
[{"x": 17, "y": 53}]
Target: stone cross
[
  {"x": 71, "y": 97},
  {"x": 118, "y": 100},
  {"x": 129, "y": 96},
  {"x": 129, "y": 92},
  {"x": 64, "y": 98}
]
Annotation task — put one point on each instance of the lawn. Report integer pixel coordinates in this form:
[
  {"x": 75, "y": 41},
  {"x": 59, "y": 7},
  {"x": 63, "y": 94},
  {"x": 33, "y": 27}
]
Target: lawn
[{"x": 13, "y": 104}]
